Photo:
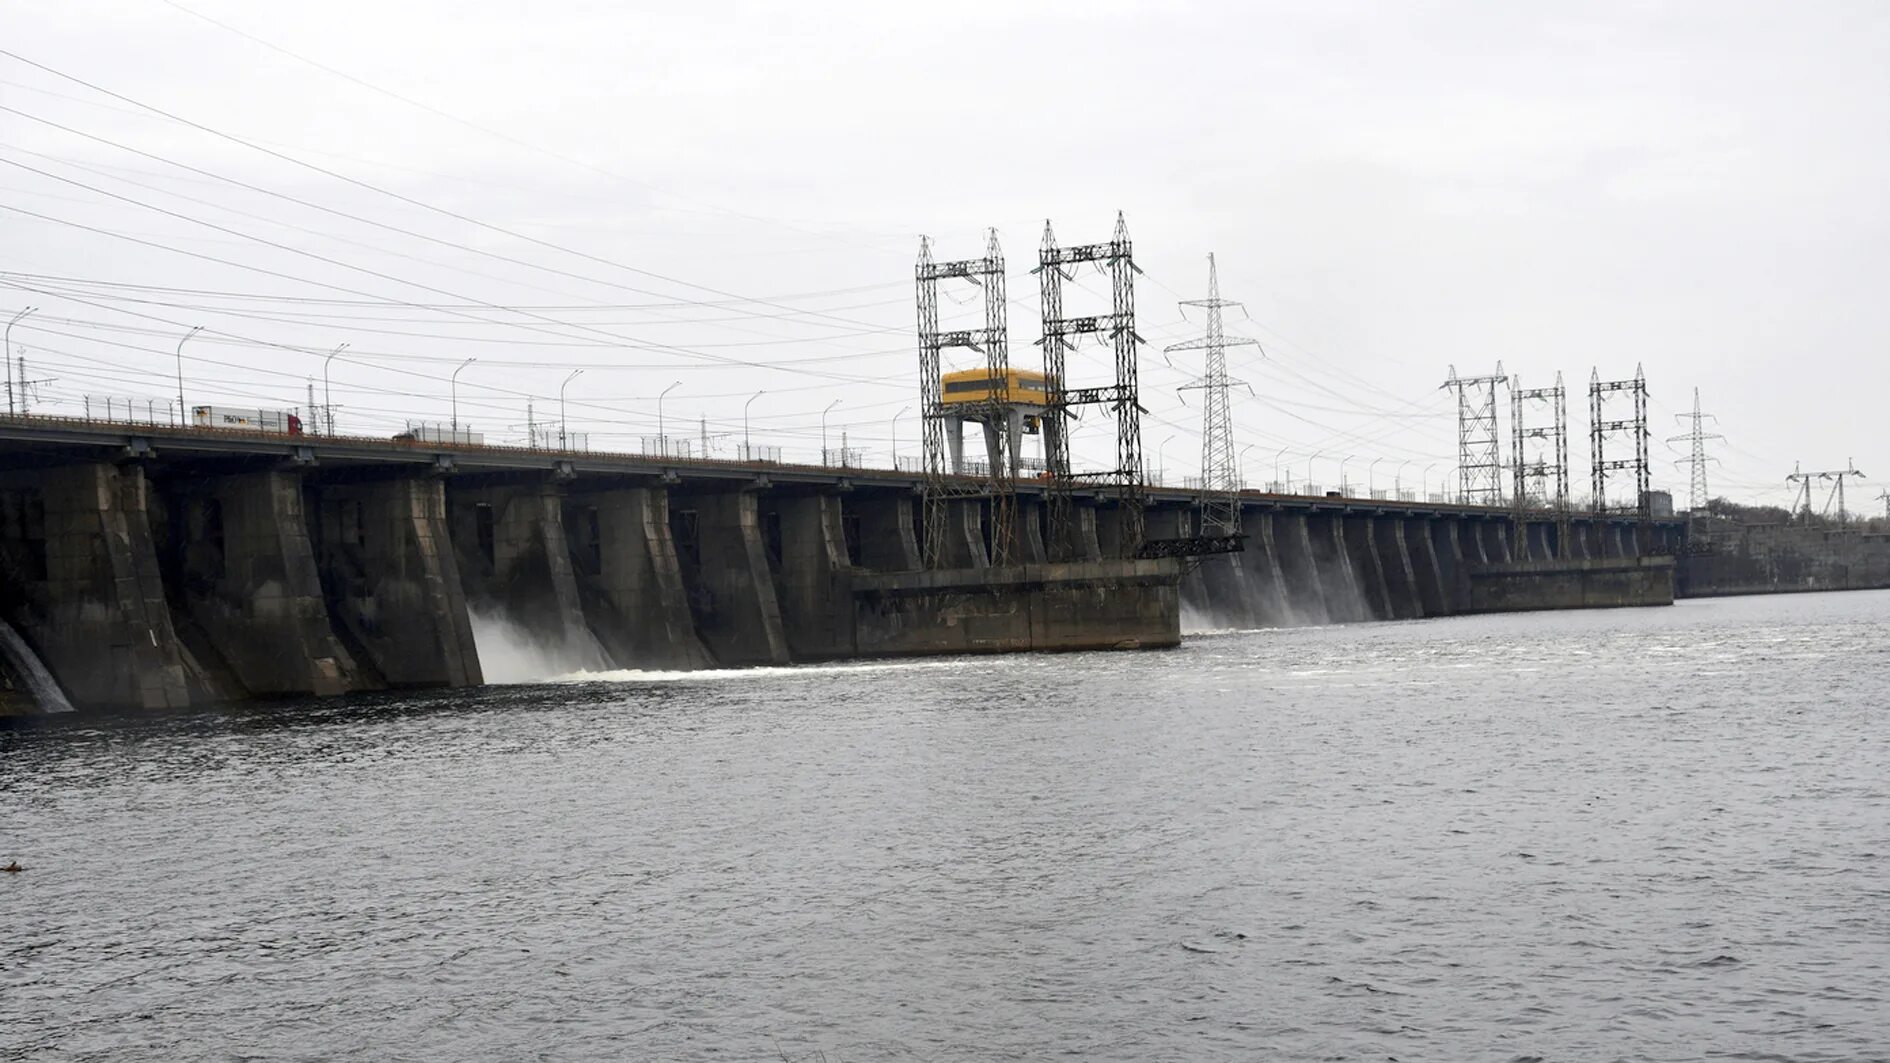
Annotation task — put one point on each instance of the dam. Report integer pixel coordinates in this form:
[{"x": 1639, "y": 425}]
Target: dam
[{"x": 155, "y": 566}]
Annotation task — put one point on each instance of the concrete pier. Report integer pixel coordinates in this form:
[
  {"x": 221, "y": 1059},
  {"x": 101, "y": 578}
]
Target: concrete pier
[
  {"x": 814, "y": 582},
  {"x": 725, "y": 568},
  {"x": 393, "y": 584},
  {"x": 244, "y": 573},
  {"x": 514, "y": 556},
  {"x": 85, "y": 590},
  {"x": 1394, "y": 560},
  {"x": 1306, "y": 599},
  {"x": 888, "y": 542},
  {"x": 630, "y": 579}
]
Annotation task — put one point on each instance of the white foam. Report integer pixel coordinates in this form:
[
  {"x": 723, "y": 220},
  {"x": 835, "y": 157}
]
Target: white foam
[
  {"x": 509, "y": 653},
  {"x": 717, "y": 675}
]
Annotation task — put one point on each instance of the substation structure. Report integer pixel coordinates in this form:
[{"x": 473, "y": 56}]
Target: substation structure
[{"x": 153, "y": 566}]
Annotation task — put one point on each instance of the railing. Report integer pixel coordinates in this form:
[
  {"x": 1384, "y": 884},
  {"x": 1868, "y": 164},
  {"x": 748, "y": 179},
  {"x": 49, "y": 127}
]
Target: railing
[{"x": 127, "y": 414}]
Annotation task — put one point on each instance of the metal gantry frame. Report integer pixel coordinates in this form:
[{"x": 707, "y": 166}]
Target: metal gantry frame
[
  {"x": 1479, "y": 437},
  {"x": 1055, "y": 265},
  {"x": 1220, "y": 474},
  {"x": 1837, "y": 476},
  {"x": 1543, "y": 480},
  {"x": 993, "y": 342},
  {"x": 1602, "y": 431}
]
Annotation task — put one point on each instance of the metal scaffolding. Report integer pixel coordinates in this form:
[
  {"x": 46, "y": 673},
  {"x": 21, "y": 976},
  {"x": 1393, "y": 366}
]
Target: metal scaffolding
[
  {"x": 1479, "y": 437},
  {"x": 992, "y": 341},
  {"x": 1056, "y": 265}
]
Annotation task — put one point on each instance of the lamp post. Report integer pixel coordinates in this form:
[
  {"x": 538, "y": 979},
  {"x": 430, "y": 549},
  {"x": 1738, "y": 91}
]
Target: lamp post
[
  {"x": 1240, "y": 466},
  {"x": 563, "y": 443},
  {"x": 453, "y": 385},
  {"x": 1427, "y": 480},
  {"x": 1397, "y": 478},
  {"x": 748, "y": 450},
  {"x": 182, "y": 414},
  {"x": 1342, "y": 462},
  {"x": 662, "y": 441},
  {"x": 1309, "y": 461},
  {"x": 903, "y": 410},
  {"x": 1161, "y": 463},
  {"x": 823, "y": 430},
  {"x": 328, "y": 396},
  {"x": 7, "y": 354},
  {"x": 1371, "y": 478},
  {"x": 1276, "y": 466}
]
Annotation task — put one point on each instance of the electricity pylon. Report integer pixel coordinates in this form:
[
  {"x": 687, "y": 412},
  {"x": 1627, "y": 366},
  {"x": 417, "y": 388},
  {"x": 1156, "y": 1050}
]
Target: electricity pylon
[
  {"x": 1697, "y": 496},
  {"x": 1220, "y": 479}
]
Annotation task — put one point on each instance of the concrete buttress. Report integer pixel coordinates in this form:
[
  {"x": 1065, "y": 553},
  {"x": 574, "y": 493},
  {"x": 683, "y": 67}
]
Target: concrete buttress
[
  {"x": 97, "y": 612},
  {"x": 1433, "y": 591},
  {"x": 393, "y": 584},
  {"x": 514, "y": 555},
  {"x": 629, "y": 578},
  {"x": 1367, "y": 567},
  {"x": 815, "y": 582},
  {"x": 248, "y": 580},
  {"x": 1394, "y": 558},
  {"x": 887, "y": 541},
  {"x": 731, "y": 589}
]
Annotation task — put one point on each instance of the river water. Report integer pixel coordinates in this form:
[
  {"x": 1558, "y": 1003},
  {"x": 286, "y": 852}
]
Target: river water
[{"x": 1639, "y": 834}]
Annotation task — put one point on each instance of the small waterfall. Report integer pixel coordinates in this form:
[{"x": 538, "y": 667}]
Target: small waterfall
[
  {"x": 26, "y": 665},
  {"x": 510, "y": 652}
]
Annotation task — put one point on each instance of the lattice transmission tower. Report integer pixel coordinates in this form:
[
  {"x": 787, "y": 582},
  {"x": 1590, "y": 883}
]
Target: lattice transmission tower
[
  {"x": 1220, "y": 477},
  {"x": 941, "y": 485},
  {"x": 1541, "y": 480},
  {"x": 1602, "y": 431},
  {"x": 1697, "y": 458},
  {"x": 1479, "y": 437},
  {"x": 1055, "y": 265}
]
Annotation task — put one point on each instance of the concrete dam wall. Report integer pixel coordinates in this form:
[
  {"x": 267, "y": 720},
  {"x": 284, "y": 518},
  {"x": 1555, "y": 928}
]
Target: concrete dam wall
[
  {"x": 181, "y": 567},
  {"x": 1316, "y": 567}
]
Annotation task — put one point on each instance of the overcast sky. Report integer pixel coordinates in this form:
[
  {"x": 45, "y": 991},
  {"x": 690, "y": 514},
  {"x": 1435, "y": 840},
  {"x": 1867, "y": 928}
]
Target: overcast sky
[{"x": 730, "y": 196}]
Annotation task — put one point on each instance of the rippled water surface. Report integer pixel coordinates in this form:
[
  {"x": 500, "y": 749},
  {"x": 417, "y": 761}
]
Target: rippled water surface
[{"x": 1655, "y": 834}]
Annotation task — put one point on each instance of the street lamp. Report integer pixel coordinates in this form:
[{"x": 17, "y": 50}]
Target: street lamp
[
  {"x": 748, "y": 451},
  {"x": 1240, "y": 465},
  {"x": 1161, "y": 463},
  {"x": 453, "y": 383},
  {"x": 1309, "y": 461},
  {"x": 823, "y": 430},
  {"x": 1342, "y": 462},
  {"x": 7, "y": 354},
  {"x": 903, "y": 410},
  {"x": 662, "y": 440},
  {"x": 183, "y": 416},
  {"x": 1371, "y": 479},
  {"x": 1397, "y": 478},
  {"x": 563, "y": 440},
  {"x": 1276, "y": 466},
  {"x": 1427, "y": 480},
  {"x": 328, "y": 397}
]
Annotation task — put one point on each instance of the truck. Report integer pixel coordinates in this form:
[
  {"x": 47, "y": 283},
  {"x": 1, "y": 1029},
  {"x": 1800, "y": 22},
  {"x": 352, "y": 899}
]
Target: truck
[
  {"x": 243, "y": 419},
  {"x": 439, "y": 433}
]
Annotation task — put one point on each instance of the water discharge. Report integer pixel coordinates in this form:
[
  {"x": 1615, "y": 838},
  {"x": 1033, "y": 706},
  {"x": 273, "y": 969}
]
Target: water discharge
[
  {"x": 511, "y": 653},
  {"x": 25, "y": 664}
]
